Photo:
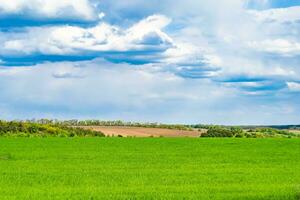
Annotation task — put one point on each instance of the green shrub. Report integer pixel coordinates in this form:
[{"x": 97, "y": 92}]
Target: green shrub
[{"x": 217, "y": 131}]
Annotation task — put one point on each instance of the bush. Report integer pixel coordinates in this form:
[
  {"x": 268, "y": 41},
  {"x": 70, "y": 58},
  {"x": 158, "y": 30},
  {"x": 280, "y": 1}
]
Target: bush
[
  {"x": 217, "y": 131},
  {"x": 237, "y": 131}
]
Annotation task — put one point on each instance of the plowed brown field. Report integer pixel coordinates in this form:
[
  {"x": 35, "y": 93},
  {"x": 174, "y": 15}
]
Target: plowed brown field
[{"x": 142, "y": 132}]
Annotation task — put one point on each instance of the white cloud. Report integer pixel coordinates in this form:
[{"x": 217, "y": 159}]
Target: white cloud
[
  {"x": 294, "y": 86},
  {"x": 281, "y": 15},
  {"x": 278, "y": 46},
  {"x": 48, "y": 8},
  {"x": 146, "y": 35},
  {"x": 145, "y": 38},
  {"x": 101, "y": 15}
]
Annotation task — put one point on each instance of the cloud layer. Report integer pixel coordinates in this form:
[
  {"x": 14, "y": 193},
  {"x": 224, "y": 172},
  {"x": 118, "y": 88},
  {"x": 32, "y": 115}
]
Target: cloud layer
[
  {"x": 48, "y": 8},
  {"x": 230, "y": 62},
  {"x": 143, "y": 36}
]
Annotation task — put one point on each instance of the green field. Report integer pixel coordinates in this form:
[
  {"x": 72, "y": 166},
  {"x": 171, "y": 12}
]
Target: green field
[{"x": 149, "y": 168}]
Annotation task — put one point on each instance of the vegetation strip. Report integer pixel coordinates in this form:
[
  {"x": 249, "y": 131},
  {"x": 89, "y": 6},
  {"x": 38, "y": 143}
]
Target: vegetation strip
[
  {"x": 92, "y": 128},
  {"x": 149, "y": 168},
  {"x": 30, "y": 129}
]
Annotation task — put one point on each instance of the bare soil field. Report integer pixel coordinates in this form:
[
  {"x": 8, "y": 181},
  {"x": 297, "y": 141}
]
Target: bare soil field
[
  {"x": 295, "y": 131},
  {"x": 142, "y": 132}
]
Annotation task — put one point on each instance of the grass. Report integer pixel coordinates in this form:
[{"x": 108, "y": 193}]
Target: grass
[{"x": 149, "y": 168}]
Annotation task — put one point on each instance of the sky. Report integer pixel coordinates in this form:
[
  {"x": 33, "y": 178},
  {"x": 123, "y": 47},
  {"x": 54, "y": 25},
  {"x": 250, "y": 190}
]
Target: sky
[{"x": 193, "y": 61}]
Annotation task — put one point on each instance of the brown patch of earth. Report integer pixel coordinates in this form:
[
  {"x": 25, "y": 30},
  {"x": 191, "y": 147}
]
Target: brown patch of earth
[{"x": 142, "y": 132}]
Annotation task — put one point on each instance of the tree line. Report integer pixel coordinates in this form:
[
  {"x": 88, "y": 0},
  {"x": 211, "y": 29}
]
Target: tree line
[
  {"x": 35, "y": 129},
  {"x": 238, "y": 132},
  {"x": 75, "y": 122}
]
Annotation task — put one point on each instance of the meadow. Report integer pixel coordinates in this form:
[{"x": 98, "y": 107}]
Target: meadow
[{"x": 149, "y": 168}]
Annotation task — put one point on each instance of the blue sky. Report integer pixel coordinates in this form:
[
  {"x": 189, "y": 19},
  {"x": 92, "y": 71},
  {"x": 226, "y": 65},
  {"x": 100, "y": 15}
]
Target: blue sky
[{"x": 220, "y": 62}]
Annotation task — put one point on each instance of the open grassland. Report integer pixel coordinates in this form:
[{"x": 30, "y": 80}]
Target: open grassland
[
  {"x": 142, "y": 132},
  {"x": 149, "y": 168}
]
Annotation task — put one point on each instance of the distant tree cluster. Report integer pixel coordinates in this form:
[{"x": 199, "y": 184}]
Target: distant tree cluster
[
  {"x": 272, "y": 132},
  {"x": 277, "y": 127},
  {"x": 217, "y": 131},
  {"x": 31, "y": 129},
  {"x": 221, "y": 131}
]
